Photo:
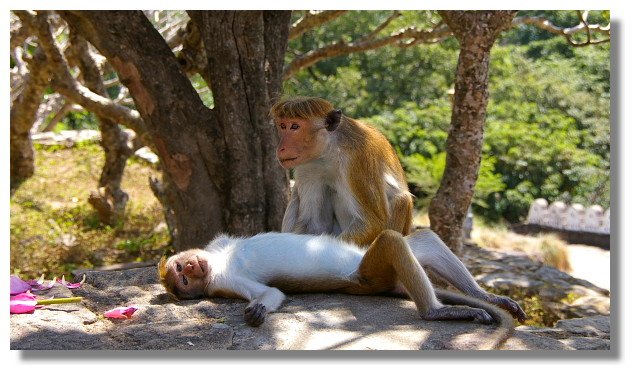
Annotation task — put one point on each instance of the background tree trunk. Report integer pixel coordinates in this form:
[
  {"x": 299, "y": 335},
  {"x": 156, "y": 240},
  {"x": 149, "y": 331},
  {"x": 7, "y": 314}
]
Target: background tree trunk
[
  {"x": 216, "y": 160},
  {"x": 109, "y": 200},
  {"x": 476, "y": 32}
]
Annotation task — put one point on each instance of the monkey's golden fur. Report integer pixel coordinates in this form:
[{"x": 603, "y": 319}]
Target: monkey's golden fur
[
  {"x": 349, "y": 183},
  {"x": 301, "y": 107},
  {"x": 370, "y": 157}
]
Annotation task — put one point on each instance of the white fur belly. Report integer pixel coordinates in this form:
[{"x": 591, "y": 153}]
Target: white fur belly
[{"x": 274, "y": 255}]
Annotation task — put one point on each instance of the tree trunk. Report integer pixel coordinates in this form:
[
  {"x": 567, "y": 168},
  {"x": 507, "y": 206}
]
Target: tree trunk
[
  {"x": 109, "y": 200},
  {"x": 22, "y": 117},
  {"x": 218, "y": 162},
  {"x": 247, "y": 49},
  {"x": 476, "y": 31}
]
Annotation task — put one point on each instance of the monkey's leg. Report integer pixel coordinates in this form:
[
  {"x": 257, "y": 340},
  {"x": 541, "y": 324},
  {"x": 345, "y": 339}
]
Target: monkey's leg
[
  {"x": 431, "y": 252},
  {"x": 262, "y": 300},
  {"x": 389, "y": 260}
]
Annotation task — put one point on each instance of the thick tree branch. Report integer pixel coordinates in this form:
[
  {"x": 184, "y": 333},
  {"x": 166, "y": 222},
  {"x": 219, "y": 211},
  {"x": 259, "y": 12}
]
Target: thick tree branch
[
  {"x": 19, "y": 34},
  {"x": 403, "y": 38},
  {"x": 312, "y": 19},
  {"x": 67, "y": 85},
  {"x": 22, "y": 117},
  {"x": 53, "y": 104},
  {"x": 59, "y": 115}
]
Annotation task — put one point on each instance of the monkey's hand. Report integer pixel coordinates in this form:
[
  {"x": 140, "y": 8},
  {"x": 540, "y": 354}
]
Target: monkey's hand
[
  {"x": 508, "y": 304},
  {"x": 459, "y": 313},
  {"x": 255, "y": 315}
]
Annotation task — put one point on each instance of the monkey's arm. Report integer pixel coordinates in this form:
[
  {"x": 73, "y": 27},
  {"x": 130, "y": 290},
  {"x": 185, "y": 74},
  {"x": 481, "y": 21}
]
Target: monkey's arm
[
  {"x": 361, "y": 232},
  {"x": 368, "y": 205},
  {"x": 291, "y": 213},
  {"x": 431, "y": 252},
  {"x": 262, "y": 300}
]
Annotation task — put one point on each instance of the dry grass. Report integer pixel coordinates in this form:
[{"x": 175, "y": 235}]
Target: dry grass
[
  {"x": 54, "y": 230},
  {"x": 421, "y": 219},
  {"x": 545, "y": 248}
]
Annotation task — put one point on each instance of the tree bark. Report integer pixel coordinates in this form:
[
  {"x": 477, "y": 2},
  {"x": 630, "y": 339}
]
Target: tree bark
[
  {"x": 218, "y": 162},
  {"x": 245, "y": 53},
  {"x": 476, "y": 31},
  {"x": 22, "y": 117}
]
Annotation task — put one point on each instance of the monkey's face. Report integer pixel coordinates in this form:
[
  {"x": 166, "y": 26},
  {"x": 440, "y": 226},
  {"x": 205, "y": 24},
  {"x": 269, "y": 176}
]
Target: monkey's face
[
  {"x": 300, "y": 141},
  {"x": 188, "y": 273}
]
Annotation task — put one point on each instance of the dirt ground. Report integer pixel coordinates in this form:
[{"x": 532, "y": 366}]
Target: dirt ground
[{"x": 592, "y": 264}]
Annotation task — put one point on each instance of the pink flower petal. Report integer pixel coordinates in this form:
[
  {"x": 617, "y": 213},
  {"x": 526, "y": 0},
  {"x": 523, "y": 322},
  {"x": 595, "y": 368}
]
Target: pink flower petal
[
  {"x": 71, "y": 285},
  {"x": 39, "y": 283},
  {"x": 121, "y": 312},
  {"x": 18, "y": 285},
  {"x": 23, "y": 303}
]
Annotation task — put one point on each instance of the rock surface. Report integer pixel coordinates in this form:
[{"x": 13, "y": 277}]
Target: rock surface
[
  {"x": 316, "y": 321},
  {"x": 558, "y": 294}
]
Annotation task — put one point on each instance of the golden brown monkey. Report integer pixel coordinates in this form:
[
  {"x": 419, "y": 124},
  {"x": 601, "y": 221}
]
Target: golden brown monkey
[
  {"x": 260, "y": 268},
  {"x": 349, "y": 183}
]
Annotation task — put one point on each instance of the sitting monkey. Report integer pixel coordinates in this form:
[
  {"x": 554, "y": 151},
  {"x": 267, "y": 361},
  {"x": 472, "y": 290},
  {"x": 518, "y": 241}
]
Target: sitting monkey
[{"x": 261, "y": 267}]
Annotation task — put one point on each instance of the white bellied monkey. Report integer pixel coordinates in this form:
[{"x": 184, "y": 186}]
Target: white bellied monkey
[
  {"x": 349, "y": 183},
  {"x": 260, "y": 268}
]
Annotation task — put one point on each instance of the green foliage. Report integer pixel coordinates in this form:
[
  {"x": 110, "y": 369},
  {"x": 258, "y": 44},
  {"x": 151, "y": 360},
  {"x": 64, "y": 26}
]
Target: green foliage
[
  {"x": 366, "y": 84},
  {"x": 548, "y": 127},
  {"x": 203, "y": 90},
  {"x": 547, "y": 131},
  {"x": 78, "y": 120}
]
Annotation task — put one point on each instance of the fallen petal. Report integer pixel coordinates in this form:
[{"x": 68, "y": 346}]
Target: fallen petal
[
  {"x": 71, "y": 285},
  {"x": 39, "y": 281},
  {"x": 23, "y": 303},
  {"x": 39, "y": 284},
  {"x": 121, "y": 312},
  {"x": 44, "y": 287},
  {"x": 18, "y": 285}
]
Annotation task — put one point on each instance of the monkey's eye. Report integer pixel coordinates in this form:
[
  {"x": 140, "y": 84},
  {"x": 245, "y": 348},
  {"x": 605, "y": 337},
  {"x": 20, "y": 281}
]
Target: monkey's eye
[
  {"x": 283, "y": 126},
  {"x": 178, "y": 267},
  {"x": 184, "y": 280},
  {"x": 295, "y": 126}
]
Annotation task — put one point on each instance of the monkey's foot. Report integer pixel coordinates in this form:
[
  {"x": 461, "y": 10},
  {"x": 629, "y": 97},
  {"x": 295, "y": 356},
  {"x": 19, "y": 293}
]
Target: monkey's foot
[
  {"x": 508, "y": 304},
  {"x": 459, "y": 313},
  {"x": 255, "y": 315}
]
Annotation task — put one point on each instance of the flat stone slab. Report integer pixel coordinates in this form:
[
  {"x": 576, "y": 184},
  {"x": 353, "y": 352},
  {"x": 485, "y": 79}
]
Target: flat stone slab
[
  {"x": 304, "y": 322},
  {"x": 310, "y": 321}
]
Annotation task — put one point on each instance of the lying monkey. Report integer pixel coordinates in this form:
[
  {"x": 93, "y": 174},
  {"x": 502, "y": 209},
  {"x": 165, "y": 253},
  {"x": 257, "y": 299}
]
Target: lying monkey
[{"x": 259, "y": 268}]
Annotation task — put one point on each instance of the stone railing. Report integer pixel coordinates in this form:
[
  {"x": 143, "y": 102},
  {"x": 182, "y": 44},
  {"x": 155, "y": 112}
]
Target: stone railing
[
  {"x": 574, "y": 217},
  {"x": 575, "y": 224}
]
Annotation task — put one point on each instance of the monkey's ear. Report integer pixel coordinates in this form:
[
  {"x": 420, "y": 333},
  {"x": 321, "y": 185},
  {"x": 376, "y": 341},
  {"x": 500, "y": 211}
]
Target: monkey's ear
[{"x": 333, "y": 119}]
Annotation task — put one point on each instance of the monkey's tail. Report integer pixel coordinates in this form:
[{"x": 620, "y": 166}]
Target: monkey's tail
[{"x": 506, "y": 323}]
